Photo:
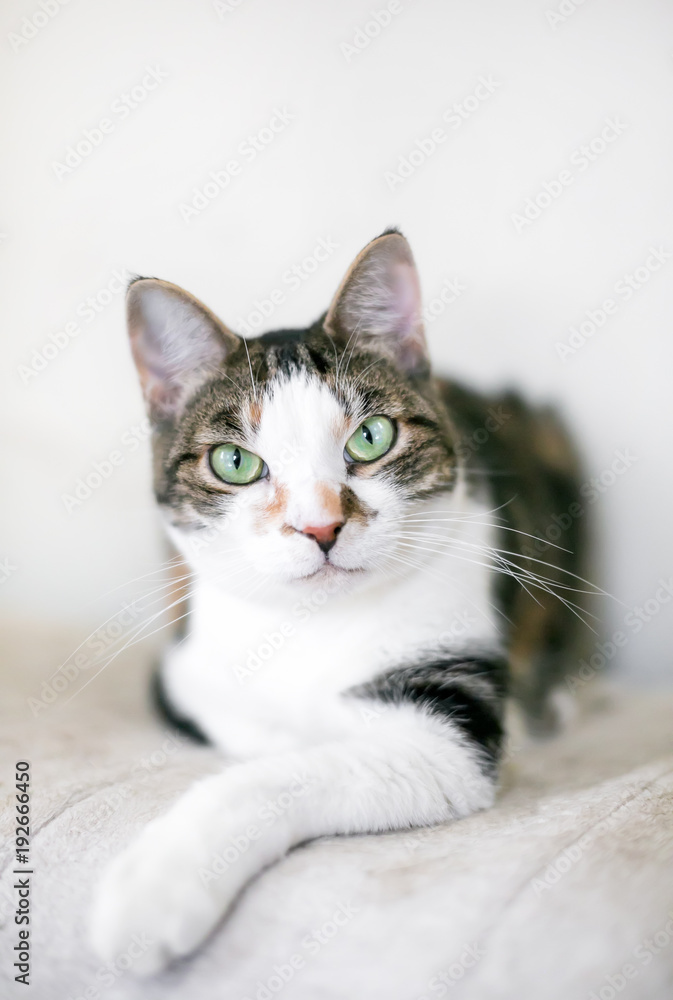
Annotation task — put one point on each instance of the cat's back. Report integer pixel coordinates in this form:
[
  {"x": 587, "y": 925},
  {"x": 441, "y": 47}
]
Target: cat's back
[{"x": 523, "y": 459}]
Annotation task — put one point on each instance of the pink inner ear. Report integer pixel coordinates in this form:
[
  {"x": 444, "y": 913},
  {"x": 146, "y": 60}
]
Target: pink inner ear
[{"x": 407, "y": 291}]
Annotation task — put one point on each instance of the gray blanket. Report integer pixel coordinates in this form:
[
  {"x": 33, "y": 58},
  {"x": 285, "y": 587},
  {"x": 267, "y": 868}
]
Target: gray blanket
[{"x": 563, "y": 890}]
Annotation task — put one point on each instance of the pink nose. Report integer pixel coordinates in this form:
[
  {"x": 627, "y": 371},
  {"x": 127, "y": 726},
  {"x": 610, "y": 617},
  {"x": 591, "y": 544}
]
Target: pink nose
[{"x": 325, "y": 535}]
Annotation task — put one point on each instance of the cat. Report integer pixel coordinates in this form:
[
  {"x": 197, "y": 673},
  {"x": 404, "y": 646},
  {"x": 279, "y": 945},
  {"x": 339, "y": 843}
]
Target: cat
[{"x": 372, "y": 577}]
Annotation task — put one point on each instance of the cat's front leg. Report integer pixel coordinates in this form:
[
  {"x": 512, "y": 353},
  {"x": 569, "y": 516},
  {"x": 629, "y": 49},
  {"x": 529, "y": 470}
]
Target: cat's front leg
[
  {"x": 175, "y": 881},
  {"x": 422, "y": 747}
]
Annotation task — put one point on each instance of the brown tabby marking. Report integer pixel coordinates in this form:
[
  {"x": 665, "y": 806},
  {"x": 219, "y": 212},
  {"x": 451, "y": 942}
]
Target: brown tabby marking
[
  {"x": 274, "y": 510},
  {"x": 353, "y": 508},
  {"x": 331, "y": 502}
]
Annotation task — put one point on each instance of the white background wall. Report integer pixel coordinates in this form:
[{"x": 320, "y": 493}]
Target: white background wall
[{"x": 354, "y": 114}]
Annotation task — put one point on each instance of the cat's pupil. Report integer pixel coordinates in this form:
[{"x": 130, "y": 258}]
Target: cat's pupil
[
  {"x": 367, "y": 434},
  {"x": 236, "y": 458}
]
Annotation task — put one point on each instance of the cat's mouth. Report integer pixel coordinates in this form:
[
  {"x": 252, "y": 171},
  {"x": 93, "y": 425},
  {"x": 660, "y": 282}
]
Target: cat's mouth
[{"x": 329, "y": 571}]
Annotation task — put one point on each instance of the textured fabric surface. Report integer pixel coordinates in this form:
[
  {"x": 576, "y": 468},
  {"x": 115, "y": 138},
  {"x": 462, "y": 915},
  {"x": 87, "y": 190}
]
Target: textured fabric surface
[{"x": 563, "y": 890}]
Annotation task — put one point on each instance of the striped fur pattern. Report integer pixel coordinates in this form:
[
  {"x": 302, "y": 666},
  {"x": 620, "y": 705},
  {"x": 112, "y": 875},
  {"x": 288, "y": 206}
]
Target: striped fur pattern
[
  {"x": 470, "y": 691},
  {"x": 355, "y": 625}
]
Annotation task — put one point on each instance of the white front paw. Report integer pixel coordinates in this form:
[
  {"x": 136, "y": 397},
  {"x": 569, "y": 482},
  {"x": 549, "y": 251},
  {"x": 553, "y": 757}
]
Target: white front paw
[{"x": 151, "y": 903}]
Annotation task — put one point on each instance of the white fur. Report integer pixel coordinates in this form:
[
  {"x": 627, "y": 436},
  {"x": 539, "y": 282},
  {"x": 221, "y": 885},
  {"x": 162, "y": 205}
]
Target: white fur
[
  {"x": 178, "y": 879},
  {"x": 368, "y": 767}
]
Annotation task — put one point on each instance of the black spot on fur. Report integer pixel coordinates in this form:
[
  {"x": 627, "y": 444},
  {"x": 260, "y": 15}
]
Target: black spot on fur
[
  {"x": 467, "y": 691},
  {"x": 165, "y": 709}
]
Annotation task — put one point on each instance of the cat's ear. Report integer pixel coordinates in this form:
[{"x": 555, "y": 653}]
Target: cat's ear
[
  {"x": 379, "y": 303},
  {"x": 176, "y": 343}
]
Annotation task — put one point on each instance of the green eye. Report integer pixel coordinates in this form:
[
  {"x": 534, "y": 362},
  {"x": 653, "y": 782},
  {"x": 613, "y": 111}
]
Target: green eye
[
  {"x": 234, "y": 464},
  {"x": 372, "y": 439}
]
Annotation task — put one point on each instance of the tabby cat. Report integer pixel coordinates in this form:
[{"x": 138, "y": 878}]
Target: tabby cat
[{"x": 372, "y": 576}]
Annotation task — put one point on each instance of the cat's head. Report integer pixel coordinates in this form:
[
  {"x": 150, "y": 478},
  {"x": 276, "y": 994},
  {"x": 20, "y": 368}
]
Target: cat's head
[{"x": 294, "y": 455}]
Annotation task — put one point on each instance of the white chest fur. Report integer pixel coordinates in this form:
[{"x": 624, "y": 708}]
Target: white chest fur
[{"x": 263, "y": 676}]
